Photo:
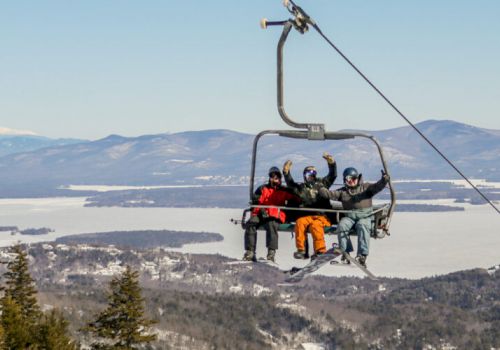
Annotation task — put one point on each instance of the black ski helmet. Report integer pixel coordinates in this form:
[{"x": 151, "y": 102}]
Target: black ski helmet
[
  {"x": 309, "y": 171},
  {"x": 274, "y": 170},
  {"x": 350, "y": 172}
]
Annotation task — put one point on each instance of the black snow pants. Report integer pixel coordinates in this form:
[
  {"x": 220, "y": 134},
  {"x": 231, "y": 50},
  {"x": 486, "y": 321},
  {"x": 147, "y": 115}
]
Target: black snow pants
[{"x": 271, "y": 227}]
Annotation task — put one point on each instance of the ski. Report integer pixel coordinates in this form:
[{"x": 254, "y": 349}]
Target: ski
[
  {"x": 361, "y": 267},
  {"x": 298, "y": 273}
]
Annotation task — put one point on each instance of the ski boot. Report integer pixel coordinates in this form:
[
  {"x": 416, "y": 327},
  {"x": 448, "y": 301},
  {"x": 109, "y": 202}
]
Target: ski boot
[
  {"x": 300, "y": 254},
  {"x": 271, "y": 253},
  {"x": 249, "y": 256},
  {"x": 344, "y": 259},
  {"x": 316, "y": 254},
  {"x": 362, "y": 260}
]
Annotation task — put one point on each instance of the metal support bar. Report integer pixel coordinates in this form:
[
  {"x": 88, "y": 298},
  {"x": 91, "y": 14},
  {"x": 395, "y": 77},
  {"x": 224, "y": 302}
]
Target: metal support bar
[{"x": 286, "y": 30}]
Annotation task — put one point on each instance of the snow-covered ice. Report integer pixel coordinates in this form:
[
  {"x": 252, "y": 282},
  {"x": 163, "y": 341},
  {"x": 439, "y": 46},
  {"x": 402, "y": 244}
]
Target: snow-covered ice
[{"x": 421, "y": 244}]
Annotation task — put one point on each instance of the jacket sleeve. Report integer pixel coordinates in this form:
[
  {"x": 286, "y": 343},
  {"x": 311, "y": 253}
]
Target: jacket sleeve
[
  {"x": 257, "y": 194},
  {"x": 290, "y": 182},
  {"x": 376, "y": 187},
  {"x": 331, "y": 195},
  {"x": 329, "y": 179},
  {"x": 335, "y": 195}
]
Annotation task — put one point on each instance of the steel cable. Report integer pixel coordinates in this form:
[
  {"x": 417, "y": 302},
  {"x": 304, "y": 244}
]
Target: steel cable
[{"x": 315, "y": 26}]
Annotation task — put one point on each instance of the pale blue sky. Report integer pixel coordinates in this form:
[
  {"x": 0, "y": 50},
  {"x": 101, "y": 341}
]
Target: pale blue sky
[{"x": 91, "y": 68}]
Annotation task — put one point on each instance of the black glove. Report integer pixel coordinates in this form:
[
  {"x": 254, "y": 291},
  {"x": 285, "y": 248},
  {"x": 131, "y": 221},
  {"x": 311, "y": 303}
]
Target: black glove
[
  {"x": 328, "y": 157},
  {"x": 255, "y": 199},
  {"x": 263, "y": 213},
  {"x": 286, "y": 167},
  {"x": 385, "y": 176},
  {"x": 324, "y": 193}
]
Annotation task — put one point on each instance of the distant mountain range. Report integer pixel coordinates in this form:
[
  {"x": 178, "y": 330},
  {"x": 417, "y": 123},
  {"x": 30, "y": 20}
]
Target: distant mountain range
[
  {"x": 223, "y": 157},
  {"x": 10, "y": 144}
]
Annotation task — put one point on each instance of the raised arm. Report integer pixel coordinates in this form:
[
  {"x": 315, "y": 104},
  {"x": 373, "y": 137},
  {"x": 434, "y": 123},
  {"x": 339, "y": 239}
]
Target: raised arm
[
  {"x": 378, "y": 186},
  {"x": 329, "y": 179},
  {"x": 288, "y": 176}
]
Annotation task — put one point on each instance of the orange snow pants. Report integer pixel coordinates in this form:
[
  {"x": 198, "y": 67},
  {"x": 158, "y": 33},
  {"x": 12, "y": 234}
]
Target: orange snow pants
[{"x": 314, "y": 224}]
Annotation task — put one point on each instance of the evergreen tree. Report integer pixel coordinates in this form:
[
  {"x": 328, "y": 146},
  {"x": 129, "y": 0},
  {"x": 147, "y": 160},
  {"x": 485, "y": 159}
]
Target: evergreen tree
[
  {"x": 52, "y": 332},
  {"x": 21, "y": 320},
  {"x": 123, "y": 322},
  {"x": 17, "y": 334},
  {"x": 2, "y": 343},
  {"x": 20, "y": 286},
  {"x": 20, "y": 311}
]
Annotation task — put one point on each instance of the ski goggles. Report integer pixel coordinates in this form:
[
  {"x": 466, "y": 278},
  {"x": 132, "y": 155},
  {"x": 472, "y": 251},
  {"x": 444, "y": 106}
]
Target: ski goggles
[
  {"x": 311, "y": 173},
  {"x": 350, "y": 178}
]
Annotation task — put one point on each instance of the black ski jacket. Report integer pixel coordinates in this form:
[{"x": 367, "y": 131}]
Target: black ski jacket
[
  {"x": 359, "y": 197},
  {"x": 309, "y": 192}
]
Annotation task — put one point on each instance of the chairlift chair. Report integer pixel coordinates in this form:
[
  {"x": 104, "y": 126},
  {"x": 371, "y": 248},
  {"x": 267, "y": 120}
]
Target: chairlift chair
[{"x": 313, "y": 132}]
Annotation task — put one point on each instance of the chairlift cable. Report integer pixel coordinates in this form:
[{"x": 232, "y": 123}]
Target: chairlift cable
[{"x": 316, "y": 27}]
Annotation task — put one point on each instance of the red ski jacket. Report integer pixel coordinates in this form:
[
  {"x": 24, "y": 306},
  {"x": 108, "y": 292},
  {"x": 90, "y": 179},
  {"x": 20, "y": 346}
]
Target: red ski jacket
[{"x": 267, "y": 195}]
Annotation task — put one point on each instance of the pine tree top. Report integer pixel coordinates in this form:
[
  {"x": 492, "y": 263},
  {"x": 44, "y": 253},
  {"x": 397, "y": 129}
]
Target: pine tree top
[{"x": 124, "y": 319}]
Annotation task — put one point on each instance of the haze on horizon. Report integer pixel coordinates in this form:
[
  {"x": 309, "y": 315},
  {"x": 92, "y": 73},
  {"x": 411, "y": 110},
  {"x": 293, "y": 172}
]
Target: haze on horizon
[{"x": 88, "y": 69}]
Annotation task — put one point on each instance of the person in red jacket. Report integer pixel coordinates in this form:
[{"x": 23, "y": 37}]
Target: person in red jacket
[{"x": 272, "y": 193}]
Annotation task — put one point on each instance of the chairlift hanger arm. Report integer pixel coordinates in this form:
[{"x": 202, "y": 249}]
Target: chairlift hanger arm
[{"x": 300, "y": 23}]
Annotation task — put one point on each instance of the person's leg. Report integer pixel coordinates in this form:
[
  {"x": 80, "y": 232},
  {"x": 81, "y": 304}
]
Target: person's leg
[
  {"x": 301, "y": 226},
  {"x": 363, "y": 228},
  {"x": 271, "y": 226},
  {"x": 317, "y": 229},
  {"x": 342, "y": 230},
  {"x": 251, "y": 238}
]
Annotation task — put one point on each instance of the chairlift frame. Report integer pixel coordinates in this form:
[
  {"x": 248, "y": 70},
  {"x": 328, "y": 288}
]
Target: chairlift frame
[{"x": 313, "y": 132}]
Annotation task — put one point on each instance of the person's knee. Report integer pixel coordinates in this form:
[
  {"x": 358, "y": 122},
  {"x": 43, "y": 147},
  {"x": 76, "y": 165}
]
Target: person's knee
[
  {"x": 343, "y": 230},
  {"x": 362, "y": 226},
  {"x": 273, "y": 225},
  {"x": 346, "y": 223},
  {"x": 317, "y": 224},
  {"x": 302, "y": 222}
]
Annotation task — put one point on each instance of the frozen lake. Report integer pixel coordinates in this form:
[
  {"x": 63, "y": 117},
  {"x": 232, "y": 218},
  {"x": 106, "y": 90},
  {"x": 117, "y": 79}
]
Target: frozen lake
[{"x": 421, "y": 244}]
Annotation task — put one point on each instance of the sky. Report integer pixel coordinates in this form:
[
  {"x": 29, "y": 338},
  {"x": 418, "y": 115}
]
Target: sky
[{"x": 91, "y": 68}]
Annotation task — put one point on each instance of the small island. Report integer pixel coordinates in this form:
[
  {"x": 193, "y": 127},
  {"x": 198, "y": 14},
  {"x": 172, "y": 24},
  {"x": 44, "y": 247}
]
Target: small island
[
  {"x": 9, "y": 229},
  {"x": 145, "y": 239},
  {"x": 36, "y": 231},
  {"x": 29, "y": 231}
]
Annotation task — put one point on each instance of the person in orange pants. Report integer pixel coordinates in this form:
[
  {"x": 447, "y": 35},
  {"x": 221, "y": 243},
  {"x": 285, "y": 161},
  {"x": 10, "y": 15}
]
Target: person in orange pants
[
  {"x": 314, "y": 224},
  {"x": 308, "y": 192}
]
